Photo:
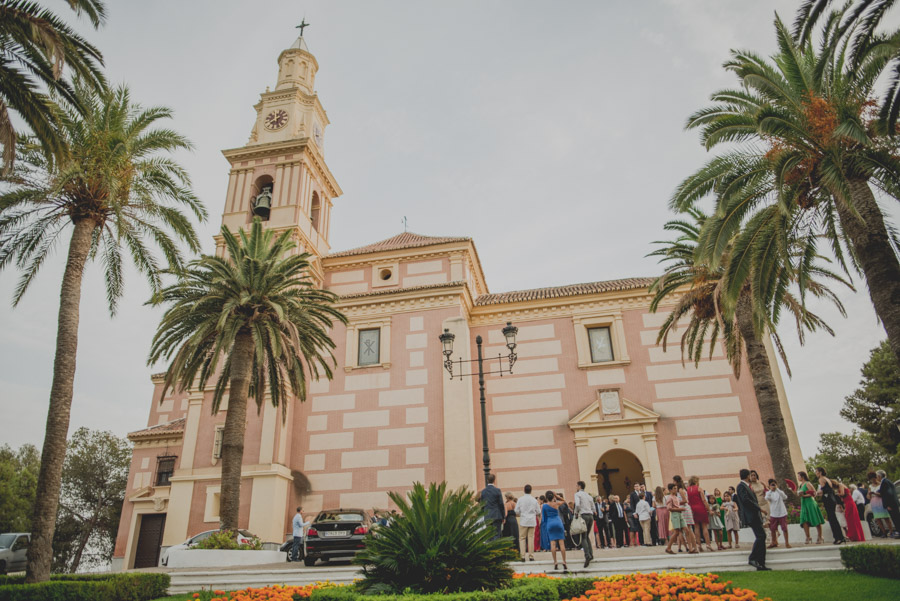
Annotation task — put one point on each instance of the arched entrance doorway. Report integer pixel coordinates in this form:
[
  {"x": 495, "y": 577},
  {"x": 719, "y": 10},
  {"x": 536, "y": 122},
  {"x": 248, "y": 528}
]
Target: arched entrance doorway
[{"x": 617, "y": 472}]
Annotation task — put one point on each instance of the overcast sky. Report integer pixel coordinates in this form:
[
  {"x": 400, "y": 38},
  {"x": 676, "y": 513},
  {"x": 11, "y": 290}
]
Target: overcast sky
[{"x": 550, "y": 132}]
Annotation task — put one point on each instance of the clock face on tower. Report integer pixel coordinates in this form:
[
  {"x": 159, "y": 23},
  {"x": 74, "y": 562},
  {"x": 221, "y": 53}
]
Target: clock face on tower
[{"x": 276, "y": 119}]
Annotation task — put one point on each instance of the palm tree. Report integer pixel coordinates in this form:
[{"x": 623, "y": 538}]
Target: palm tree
[
  {"x": 256, "y": 321},
  {"x": 36, "y": 46},
  {"x": 114, "y": 188},
  {"x": 804, "y": 128},
  {"x": 744, "y": 322}
]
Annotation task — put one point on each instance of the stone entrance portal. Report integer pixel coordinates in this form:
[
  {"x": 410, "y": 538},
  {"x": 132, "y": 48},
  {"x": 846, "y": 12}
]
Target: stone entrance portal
[{"x": 621, "y": 434}]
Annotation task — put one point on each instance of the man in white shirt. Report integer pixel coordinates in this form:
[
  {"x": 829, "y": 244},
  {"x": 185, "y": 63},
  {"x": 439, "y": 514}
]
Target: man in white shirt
[
  {"x": 643, "y": 514},
  {"x": 859, "y": 500},
  {"x": 584, "y": 506},
  {"x": 298, "y": 528},
  {"x": 777, "y": 513},
  {"x": 526, "y": 513}
]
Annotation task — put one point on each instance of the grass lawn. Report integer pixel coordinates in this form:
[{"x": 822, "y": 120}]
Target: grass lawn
[
  {"x": 820, "y": 586},
  {"x": 789, "y": 585}
]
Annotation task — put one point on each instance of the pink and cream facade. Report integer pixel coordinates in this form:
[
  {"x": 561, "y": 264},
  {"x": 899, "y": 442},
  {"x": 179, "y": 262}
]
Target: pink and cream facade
[{"x": 592, "y": 396}]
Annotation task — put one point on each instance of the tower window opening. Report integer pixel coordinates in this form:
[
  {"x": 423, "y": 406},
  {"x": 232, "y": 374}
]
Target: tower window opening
[
  {"x": 315, "y": 210},
  {"x": 385, "y": 274}
]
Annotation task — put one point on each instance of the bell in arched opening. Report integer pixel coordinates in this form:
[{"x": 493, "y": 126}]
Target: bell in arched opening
[{"x": 263, "y": 203}]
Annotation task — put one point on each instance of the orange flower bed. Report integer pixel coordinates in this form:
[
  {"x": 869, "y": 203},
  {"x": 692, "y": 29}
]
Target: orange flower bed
[
  {"x": 519, "y": 575},
  {"x": 666, "y": 586},
  {"x": 268, "y": 593}
]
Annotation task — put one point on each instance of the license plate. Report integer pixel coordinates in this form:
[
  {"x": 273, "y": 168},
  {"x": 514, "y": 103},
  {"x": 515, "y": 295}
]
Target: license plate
[{"x": 336, "y": 533}]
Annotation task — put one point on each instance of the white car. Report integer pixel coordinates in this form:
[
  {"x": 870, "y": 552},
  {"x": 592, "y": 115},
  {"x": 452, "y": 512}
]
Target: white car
[
  {"x": 243, "y": 538},
  {"x": 13, "y": 548}
]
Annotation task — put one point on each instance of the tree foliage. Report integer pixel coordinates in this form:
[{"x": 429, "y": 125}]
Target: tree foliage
[
  {"x": 850, "y": 456},
  {"x": 875, "y": 405},
  {"x": 36, "y": 46},
  {"x": 438, "y": 544},
  {"x": 254, "y": 321},
  {"x": 95, "y": 476},
  {"x": 18, "y": 483}
]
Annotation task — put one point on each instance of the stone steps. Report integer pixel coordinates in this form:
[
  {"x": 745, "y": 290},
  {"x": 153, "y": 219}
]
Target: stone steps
[{"x": 819, "y": 557}]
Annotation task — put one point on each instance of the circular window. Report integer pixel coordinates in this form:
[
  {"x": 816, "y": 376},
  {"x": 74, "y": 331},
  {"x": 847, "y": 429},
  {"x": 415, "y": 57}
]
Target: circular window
[{"x": 385, "y": 274}]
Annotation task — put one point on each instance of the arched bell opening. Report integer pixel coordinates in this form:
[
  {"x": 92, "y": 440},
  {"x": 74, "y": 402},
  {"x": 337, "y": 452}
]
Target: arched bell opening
[{"x": 261, "y": 192}]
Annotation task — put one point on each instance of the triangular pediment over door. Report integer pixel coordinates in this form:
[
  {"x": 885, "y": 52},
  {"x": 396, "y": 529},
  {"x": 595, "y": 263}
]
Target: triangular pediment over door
[{"x": 614, "y": 422}]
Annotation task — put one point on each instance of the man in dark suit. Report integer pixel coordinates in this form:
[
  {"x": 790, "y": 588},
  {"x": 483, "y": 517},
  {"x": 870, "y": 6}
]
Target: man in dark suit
[
  {"x": 751, "y": 515},
  {"x": 617, "y": 515},
  {"x": 492, "y": 499}
]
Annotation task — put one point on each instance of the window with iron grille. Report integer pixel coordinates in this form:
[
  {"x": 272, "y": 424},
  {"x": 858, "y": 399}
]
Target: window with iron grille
[
  {"x": 217, "y": 443},
  {"x": 165, "y": 467}
]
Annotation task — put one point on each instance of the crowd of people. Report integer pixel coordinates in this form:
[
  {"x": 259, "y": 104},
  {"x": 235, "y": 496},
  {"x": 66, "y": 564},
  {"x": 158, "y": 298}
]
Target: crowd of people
[{"x": 683, "y": 517}]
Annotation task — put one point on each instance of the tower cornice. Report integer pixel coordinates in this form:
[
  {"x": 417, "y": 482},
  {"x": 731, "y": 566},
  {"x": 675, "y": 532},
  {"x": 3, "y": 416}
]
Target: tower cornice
[{"x": 304, "y": 146}]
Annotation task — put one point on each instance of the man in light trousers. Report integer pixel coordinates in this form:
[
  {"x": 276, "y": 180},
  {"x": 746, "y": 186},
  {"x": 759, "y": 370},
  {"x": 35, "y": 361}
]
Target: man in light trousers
[
  {"x": 584, "y": 506},
  {"x": 526, "y": 513}
]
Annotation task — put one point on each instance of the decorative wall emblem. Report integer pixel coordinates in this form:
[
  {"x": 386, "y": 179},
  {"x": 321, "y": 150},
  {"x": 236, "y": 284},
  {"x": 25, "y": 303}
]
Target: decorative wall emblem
[
  {"x": 159, "y": 503},
  {"x": 609, "y": 402}
]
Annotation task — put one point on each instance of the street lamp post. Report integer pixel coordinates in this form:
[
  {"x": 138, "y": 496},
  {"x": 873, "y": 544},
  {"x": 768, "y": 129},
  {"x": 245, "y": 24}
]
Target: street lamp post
[{"x": 447, "y": 338}]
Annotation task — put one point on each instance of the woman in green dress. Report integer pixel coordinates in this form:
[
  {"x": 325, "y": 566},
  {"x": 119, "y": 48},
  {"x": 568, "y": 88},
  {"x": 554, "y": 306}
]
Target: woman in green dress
[{"x": 809, "y": 509}]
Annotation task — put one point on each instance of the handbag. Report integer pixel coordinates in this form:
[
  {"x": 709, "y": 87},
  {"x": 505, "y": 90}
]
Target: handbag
[{"x": 577, "y": 526}]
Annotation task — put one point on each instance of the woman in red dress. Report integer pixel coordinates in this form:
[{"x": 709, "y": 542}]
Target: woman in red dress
[
  {"x": 854, "y": 525},
  {"x": 700, "y": 509}
]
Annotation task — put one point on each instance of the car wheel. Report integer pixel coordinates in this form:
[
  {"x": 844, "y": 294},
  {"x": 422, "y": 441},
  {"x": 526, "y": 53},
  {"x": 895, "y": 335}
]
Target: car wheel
[
  {"x": 309, "y": 561},
  {"x": 2, "y": 567}
]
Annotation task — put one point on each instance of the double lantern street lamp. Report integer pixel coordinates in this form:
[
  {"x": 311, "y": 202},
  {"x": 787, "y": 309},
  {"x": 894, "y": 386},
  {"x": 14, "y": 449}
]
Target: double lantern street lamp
[{"x": 447, "y": 338}]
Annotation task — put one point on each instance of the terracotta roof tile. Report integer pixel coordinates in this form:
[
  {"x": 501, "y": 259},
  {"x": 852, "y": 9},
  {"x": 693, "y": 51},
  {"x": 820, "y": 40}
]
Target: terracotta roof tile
[
  {"x": 562, "y": 291},
  {"x": 400, "y": 241},
  {"x": 176, "y": 426},
  {"x": 402, "y": 290}
]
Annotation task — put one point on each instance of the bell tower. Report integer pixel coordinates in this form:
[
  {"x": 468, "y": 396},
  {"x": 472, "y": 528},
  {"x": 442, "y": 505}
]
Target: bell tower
[{"x": 280, "y": 175}]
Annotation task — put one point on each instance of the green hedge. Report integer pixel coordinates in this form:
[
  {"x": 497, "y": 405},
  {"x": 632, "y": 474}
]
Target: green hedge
[
  {"x": 526, "y": 589},
  {"x": 875, "y": 560},
  {"x": 574, "y": 587},
  {"x": 86, "y": 587}
]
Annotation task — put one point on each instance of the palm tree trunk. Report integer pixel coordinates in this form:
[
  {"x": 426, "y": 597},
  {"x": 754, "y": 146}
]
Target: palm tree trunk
[
  {"x": 777, "y": 441},
  {"x": 235, "y": 424},
  {"x": 876, "y": 258},
  {"x": 46, "y": 504}
]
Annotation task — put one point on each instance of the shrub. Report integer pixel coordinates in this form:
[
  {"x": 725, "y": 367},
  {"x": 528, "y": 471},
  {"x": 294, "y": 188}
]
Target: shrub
[
  {"x": 227, "y": 540},
  {"x": 86, "y": 587},
  {"x": 438, "y": 543},
  {"x": 531, "y": 589},
  {"x": 875, "y": 560},
  {"x": 574, "y": 587}
]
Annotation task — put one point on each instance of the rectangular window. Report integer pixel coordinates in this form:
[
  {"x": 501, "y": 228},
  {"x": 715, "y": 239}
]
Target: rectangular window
[
  {"x": 217, "y": 443},
  {"x": 601, "y": 345},
  {"x": 165, "y": 467},
  {"x": 369, "y": 347}
]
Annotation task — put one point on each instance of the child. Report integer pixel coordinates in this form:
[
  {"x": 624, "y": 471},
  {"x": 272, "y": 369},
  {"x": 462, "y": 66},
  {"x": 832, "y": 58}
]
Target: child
[
  {"x": 634, "y": 527},
  {"x": 732, "y": 520},
  {"x": 777, "y": 513},
  {"x": 673, "y": 504},
  {"x": 715, "y": 522}
]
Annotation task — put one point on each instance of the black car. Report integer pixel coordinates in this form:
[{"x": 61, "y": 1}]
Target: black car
[{"x": 336, "y": 533}]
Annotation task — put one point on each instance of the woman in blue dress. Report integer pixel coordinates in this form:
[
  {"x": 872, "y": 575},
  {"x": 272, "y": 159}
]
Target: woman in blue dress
[
  {"x": 555, "y": 530},
  {"x": 545, "y": 541}
]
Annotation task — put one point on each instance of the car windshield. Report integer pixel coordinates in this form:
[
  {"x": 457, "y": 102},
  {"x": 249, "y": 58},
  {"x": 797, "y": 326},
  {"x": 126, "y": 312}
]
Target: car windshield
[
  {"x": 6, "y": 540},
  {"x": 329, "y": 516}
]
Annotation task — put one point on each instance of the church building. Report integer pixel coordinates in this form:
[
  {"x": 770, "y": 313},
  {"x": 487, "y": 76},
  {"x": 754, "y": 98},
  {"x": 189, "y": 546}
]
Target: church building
[{"x": 591, "y": 396}]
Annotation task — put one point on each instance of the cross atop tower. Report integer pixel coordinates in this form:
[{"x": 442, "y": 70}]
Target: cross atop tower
[{"x": 302, "y": 26}]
